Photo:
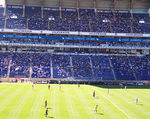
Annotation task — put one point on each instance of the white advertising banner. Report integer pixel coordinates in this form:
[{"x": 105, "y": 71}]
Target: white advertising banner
[{"x": 74, "y": 33}]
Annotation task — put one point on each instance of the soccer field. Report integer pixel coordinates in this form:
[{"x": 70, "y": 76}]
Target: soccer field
[{"x": 19, "y": 101}]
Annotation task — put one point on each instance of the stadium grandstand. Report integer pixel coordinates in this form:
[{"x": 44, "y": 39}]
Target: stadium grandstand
[
  {"x": 75, "y": 59},
  {"x": 75, "y": 40}
]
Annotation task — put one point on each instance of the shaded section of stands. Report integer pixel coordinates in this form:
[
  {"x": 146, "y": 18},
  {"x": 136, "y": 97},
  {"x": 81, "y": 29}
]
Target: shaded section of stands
[
  {"x": 141, "y": 67},
  {"x": 122, "y": 68},
  {"x": 102, "y": 68},
  {"x": 82, "y": 67},
  {"x": 87, "y": 67}
]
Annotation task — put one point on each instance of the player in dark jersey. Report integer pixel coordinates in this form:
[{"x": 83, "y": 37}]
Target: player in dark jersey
[
  {"x": 45, "y": 103},
  {"x": 46, "y": 113},
  {"x": 49, "y": 87},
  {"x": 94, "y": 94}
]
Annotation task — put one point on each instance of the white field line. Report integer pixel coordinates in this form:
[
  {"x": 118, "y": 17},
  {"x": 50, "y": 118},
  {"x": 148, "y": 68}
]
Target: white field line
[
  {"x": 85, "y": 102},
  {"x": 71, "y": 106},
  {"x": 70, "y": 109},
  {"x": 35, "y": 105},
  {"x": 115, "y": 105}
]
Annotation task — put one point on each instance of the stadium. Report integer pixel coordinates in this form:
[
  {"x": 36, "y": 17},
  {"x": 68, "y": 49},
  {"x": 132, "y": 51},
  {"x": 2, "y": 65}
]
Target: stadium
[{"x": 74, "y": 59}]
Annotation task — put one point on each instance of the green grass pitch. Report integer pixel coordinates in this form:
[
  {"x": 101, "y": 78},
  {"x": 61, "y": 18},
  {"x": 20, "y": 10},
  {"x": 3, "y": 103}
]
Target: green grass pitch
[{"x": 19, "y": 101}]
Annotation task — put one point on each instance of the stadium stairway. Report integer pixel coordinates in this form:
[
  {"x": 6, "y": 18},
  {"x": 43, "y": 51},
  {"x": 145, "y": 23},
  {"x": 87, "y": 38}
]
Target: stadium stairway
[
  {"x": 112, "y": 68},
  {"x": 60, "y": 12},
  {"x": 42, "y": 12},
  {"x": 71, "y": 67},
  {"x": 131, "y": 28},
  {"x": 8, "y": 73},
  {"x": 78, "y": 13},
  {"x": 30, "y": 72},
  {"x": 23, "y": 11},
  {"x": 91, "y": 66},
  {"x": 5, "y": 23}
]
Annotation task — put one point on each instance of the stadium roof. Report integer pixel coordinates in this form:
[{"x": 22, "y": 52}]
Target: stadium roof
[{"x": 102, "y": 4}]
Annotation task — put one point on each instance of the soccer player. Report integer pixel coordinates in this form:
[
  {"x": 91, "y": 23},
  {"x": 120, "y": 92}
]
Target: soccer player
[
  {"x": 94, "y": 94},
  {"x": 125, "y": 87},
  {"x": 121, "y": 86},
  {"x": 95, "y": 110},
  {"x": 45, "y": 103},
  {"x": 59, "y": 82},
  {"x": 49, "y": 87},
  {"x": 32, "y": 87},
  {"x": 137, "y": 100},
  {"x": 78, "y": 85},
  {"x": 108, "y": 91},
  {"x": 46, "y": 113}
]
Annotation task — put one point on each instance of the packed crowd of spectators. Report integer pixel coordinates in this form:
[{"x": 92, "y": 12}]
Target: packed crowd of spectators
[
  {"x": 87, "y": 14},
  {"x": 14, "y": 11},
  {"x": 1, "y": 11},
  {"x": 99, "y": 67},
  {"x": 61, "y": 66},
  {"x": 2, "y": 22},
  {"x": 121, "y": 22},
  {"x": 121, "y": 27},
  {"x": 4, "y": 62},
  {"x": 82, "y": 67},
  {"x": 141, "y": 28},
  {"x": 141, "y": 17},
  {"x": 99, "y": 26},
  {"x": 69, "y": 14},
  {"x": 141, "y": 23},
  {"x": 20, "y": 65},
  {"x": 2, "y": 19},
  {"x": 141, "y": 67},
  {"x": 58, "y": 24},
  {"x": 37, "y": 24},
  {"x": 15, "y": 19},
  {"x": 41, "y": 66},
  {"x": 102, "y": 68},
  {"x": 84, "y": 20},
  {"x": 122, "y": 68},
  {"x": 16, "y": 23}
]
